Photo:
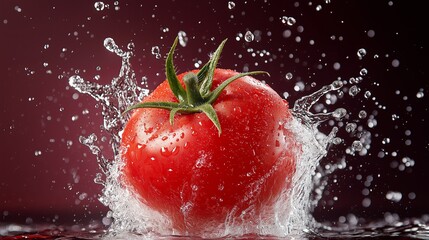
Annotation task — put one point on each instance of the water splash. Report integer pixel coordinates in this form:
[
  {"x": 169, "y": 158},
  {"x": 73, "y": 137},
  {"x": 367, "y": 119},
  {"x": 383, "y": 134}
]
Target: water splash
[
  {"x": 114, "y": 99},
  {"x": 129, "y": 214}
]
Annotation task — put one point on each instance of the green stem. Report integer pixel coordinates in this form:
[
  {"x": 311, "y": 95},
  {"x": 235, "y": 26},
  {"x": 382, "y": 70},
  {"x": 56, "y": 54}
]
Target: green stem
[
  {"x": 172, "y": 79},
  {"x": 192, "y": 93}
]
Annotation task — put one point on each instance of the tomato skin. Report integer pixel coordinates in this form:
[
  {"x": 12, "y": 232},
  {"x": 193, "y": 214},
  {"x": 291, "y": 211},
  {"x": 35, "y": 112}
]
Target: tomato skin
[{"x": 200, "y": 179}]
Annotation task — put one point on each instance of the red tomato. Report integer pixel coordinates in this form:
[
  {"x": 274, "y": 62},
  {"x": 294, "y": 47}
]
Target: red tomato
[{"x": 199, "y": 178}]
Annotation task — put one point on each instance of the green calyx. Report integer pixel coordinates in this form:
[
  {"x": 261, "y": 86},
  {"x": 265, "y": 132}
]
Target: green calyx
[{"x": 196, "y": 97}]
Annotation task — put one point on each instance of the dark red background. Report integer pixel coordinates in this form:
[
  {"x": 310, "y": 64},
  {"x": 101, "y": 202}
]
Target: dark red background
[{"x": 38, "y": 105}]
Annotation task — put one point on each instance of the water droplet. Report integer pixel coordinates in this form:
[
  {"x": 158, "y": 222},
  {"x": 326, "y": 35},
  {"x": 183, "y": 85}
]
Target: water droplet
[
  {"x": 339, "y": 113},
  {"x": 231, "y": 5},
  {"x": 371, "y": 33},
  {"x": 318, "y": 7},
  {"x": 175, "y": 150},
  {"x": 362, "y": 114},
  {"x": 69, "y": 143},
  {"x": 248, "y": 36},
  {"x": 110, "y": 44},
  {"x": 366, "y": 202},
  {"x": 200, "y": 162},
  {"x": 18, "y": 9},
  {"x": 337, "y": 66},
  {"x": 395, "y": 63},
  {"x": 98, "y": 178},
  {"x": 367, "y": 94},
  {"x": 183, "y": 39},
  {"x": 361, "y": 53},
  {"x": 82, "y": 196},
  {"x": 357, "y": 146},
  {"x": 165, "y": 152},
  {"x": 354, "y": 90},
  {"x": 289, "y": 76},
  {"x": 99, "y": 6},
  {"x": 299, "y": 86},
  {"x": 37, "y": 153},
  {"x": 131, "y": 46},
  {"x": 337, "y": 84},
  {"x": 291, "y": 21},
  {"x": 394, "y": 196},
  {"x": 351, "y": 127},
  {"x": 285, "y": 95},
  {"x": 156, "y": 52},
  {"x": 337, "y": 141},
  {"x": 352, "y": 80},
  {"x": 288, "y": 20},
  {"x": 385, "y": 140},
  {"x": 144, "y": 82},
  {"x": 363, "y": 72}
]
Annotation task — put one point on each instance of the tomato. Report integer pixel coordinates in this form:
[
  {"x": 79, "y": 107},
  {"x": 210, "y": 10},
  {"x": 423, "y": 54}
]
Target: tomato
[{"x": 200, "y": 176}]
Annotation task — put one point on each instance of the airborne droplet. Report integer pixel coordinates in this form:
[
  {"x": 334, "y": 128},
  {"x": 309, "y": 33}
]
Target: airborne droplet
[
  {"x": 99, "y": 6},
  {"x": 249, "y": 36},
  {"x": 339, "y": 113},
  {"x": 337, "y": 84},
  {"x": 361, "y": 53},
  {"x": 231, "y": 5},
  {"x": 354, "y": 90},
  {"x": 337, "y": 141},
  {"x": 288, "y": 20},
  {"x": 156, "y": 52},
  {"x": 183, "y": 39},
  {"x": 357, "y": 146},
  {"x": 362, "y": 114},
  {"x": 291, "y": 21},
  {"x": 367, "y": 94},
  {"x": 110, "y": 44},
  {"x": 351, "y": 127},
  {"x": 363, "y": 72}
]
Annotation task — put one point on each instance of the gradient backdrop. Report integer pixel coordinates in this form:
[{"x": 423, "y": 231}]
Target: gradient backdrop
[{"x": 46, "y": 175}]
